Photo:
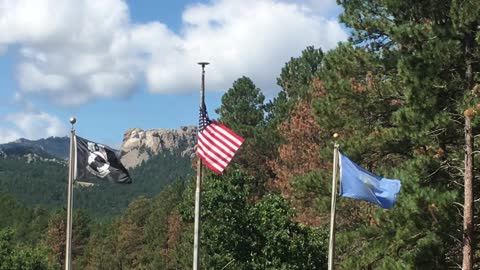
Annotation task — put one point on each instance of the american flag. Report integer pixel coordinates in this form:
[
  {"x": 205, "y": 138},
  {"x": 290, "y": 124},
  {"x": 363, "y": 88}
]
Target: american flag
[{"x": 216, "y": 143}]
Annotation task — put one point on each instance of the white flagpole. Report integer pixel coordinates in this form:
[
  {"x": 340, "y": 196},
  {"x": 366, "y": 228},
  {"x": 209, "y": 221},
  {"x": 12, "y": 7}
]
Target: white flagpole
[
  {"x": 196, "y": 236},
  {"x": 331, "y": 242},
  {"x": 71, "y": 170}
]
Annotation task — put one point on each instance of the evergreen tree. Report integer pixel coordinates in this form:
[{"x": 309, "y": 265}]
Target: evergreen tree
[
  {"x": 396, "y": 97},
  {"x": 298, "y": 73},
  {"x": 242, "y": 107},
  {"x": 243, "y": 111},
  {"x": 14, "y": 257},
  {"x": 55, "y": 237},
  {"x": 243, "y": 233},
  {"x": 149, "y": 235}
]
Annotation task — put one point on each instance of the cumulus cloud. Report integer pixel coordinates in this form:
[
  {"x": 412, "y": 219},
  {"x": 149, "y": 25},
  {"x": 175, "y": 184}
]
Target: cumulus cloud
[
  {"x": 73, "y": 51},
  {"x": 325, "y": 8},
  {"x": 30, "y": 125},
  {"x": 69, "y": 48},
  {"x": 249, "y": 37}
]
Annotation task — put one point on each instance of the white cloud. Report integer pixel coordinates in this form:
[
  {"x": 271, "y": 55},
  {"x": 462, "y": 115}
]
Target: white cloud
[
  {"x": 324, "y": 8},
  {"x": 8, "y": 135},
  {"x": 69, "y": 48},
  {"x": 30, "y": 125},
  {"x": 249, "y": 37},
  {"x": 73, "y": 51}
]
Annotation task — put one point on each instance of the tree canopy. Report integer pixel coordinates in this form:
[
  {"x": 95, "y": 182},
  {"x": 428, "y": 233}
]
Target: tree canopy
[{"x": 395, "y": 92}]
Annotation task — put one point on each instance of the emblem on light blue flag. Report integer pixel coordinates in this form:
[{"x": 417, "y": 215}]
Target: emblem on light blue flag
[{"x": 357, "y": 183}]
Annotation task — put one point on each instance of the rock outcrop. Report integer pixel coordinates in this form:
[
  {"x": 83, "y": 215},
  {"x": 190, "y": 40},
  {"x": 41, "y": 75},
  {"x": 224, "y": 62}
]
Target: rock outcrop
[
  {"x": 51, "y": 147},
  {"x": 139, "y": 145}
]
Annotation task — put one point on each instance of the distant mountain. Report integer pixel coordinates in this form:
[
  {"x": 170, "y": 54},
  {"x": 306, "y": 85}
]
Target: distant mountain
[
  {"x": 31, "y": 172},
  {"x": 138, "y": 145},
  {"x": 52, "y": 147}
]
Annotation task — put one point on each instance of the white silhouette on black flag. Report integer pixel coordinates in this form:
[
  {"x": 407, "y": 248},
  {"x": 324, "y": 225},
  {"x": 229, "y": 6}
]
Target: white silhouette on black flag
[{"x": 99, "y": 161}]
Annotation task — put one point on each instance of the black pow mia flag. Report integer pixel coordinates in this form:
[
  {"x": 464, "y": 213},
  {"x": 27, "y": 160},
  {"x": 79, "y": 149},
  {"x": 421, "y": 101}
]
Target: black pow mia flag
[{"x": 98, "y": 160}]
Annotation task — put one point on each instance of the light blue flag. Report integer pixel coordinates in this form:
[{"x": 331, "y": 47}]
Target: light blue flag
[{"x": 360, "y": 184}]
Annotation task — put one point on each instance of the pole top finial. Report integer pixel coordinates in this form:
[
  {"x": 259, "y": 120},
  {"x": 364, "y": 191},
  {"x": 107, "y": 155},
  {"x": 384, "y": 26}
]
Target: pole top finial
[{"x": 73, "y": 120}]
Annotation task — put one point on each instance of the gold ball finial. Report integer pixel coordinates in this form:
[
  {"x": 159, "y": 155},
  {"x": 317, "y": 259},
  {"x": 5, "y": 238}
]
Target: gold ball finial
[
  {"x": 73, "y": 120},
  {"x": 335, "y": 135}
]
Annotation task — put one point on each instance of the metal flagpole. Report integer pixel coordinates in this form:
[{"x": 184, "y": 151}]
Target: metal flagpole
[
  {"x": 196, "y": 236},
  {"x": 331, "y": 242},
  {"x": 71, "y": 167}
]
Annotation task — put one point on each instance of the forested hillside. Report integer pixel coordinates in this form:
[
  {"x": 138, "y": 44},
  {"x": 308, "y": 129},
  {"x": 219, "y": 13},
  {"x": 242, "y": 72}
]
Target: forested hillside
[
  {"x": 396, "y": 93},
  {"x": 44, "y": 183}
]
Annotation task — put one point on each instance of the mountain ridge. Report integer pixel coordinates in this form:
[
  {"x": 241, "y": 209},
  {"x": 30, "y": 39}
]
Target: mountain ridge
[
  {"x": 51, "y": 147},
  {"x": 138, "y": 145},
  {"x": 33, "y": 175}
]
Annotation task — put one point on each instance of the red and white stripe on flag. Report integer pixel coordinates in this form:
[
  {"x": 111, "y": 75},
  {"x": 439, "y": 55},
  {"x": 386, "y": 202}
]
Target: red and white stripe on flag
[{"x": 217, "y": 145}]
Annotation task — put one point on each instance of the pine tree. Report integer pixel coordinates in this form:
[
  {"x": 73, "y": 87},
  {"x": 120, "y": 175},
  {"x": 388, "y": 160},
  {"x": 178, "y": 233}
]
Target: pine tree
[
  {"x": 298, "y": 73},
  {"x": 396, "y": 95},
  {"x": 14, "y": 257},
  {"x": 244, "y": 232},
  {"x": 243, "y": 111}
]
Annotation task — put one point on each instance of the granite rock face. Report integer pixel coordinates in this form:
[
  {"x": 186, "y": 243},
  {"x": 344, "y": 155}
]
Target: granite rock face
[{"x": 139, "y": 145}]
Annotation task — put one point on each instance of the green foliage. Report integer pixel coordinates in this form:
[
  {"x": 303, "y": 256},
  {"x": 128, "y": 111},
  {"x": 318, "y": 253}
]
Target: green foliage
[
  {"x": 94, "y": 245},
  {"x": 243, "y": 110},
  {"x": 44, "y": 183},
  {"x": 242, "y": 107},
  {"x": 14, "y": 257},
  {"x": 396, "y": 95},
  {"x": 284, "y": 244},
  {"x": 395, "y": 92},
  {"x": 37, "y": 182},
  {"x": 149, "y": 235},
  {"x": 55, "y": 236},
  {"x": 249, "y": 234},
  {"x": 297, "y": 74},
  {"x": 159, "y": 171},
  {"x": 27, "y": 224}
]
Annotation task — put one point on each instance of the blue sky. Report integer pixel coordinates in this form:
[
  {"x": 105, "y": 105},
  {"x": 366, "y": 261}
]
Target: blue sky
[{"x": 118, "y": 64}]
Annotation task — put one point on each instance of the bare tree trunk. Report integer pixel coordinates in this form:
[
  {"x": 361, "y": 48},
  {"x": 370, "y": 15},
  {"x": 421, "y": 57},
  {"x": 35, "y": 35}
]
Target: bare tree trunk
[
  {"x": 469, "y": 42},
  {"x": 468, "y": 188}
]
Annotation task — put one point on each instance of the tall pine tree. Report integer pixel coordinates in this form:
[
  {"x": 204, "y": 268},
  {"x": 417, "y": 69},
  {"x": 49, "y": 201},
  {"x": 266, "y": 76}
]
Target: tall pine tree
[{"x": 396, "y": 93}]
